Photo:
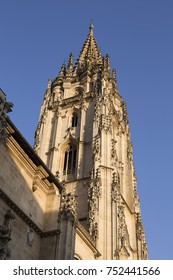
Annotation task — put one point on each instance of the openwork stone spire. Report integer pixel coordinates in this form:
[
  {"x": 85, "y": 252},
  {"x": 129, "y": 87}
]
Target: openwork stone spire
[{"x": 90, "y": 50}]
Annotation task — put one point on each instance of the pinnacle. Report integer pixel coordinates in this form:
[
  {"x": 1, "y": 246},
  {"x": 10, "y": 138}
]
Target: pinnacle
[
  {"x": 90, "y": 50},
  {"x": 70, "y": 65},
  {"x": 91, "y": 27},
  {"x": 62, "y": 71}
]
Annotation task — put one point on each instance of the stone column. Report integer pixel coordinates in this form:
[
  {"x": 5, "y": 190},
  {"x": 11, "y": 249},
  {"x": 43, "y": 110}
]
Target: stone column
[
  {"x": 81, "y": 141},
  {"x": 67, "y": 227}
]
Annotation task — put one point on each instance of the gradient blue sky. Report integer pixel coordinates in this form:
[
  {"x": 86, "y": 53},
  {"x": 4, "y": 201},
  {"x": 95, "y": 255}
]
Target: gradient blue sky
[{"x": 36, "y": 38}]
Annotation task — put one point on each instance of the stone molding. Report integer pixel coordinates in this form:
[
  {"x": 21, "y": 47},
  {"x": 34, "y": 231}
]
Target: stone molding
[
  {"x": 94, "y": 192},
  {"x": 25, "y": 218}
]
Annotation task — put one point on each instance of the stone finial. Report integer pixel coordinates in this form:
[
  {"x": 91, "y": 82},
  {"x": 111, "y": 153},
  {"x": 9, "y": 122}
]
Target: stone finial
[
  {"x": 70, "y": 61},
  {"x": 5, "y": 107},
  {"x": 114, "y": 75},
  {"x": 49, "y": 83},
  {"x": 62, "y": 72},
  {"x": 91, "y": 27},
  {"x": 107, "y": 61},
  {"x": 106, "y": 64},
  {"x": 124, "y": 109},
  {"x": 70, "y": 64}
]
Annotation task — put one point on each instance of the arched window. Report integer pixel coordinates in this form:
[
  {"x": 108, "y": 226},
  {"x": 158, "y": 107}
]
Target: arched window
[
  {"x": 70, "y": 156},
  {"x": 74, "y": 120}
]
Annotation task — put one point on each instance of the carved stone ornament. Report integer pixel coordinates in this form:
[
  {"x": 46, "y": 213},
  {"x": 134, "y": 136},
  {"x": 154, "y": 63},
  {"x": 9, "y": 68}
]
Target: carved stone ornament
[
  {"x": 114, "y": 157},
  {"x": 129, "y": 149},
  {"x": 120, "y": 166},
  {"x": 30, "y": 236},
  {"x": 39, "y": 129},
  {"x": 144, "y": 251},
  {"x": 94, "y": 192},
  {"x": 97, "y": 148},
  {"x": 43, "y": 114},
  {"x": 37, "y": 137},
  {"x": 135, "y": 194},
  {"x": 97, "y": 87},
  {"x": 106, "y": 98},
  {"x": 3, "y": 134},
  {"x": 105, "y": 124},
  {"x": 139, "y": 227},
  {"x": 141, "y": 236},
  {"x": 124, "y": 110},
  {"x": 123, "y": 235},
  {"x": 5, "y": 235},
  {"x": 5, "y": 107},
  {"x": 69, "y": 204},
  {"x": 115, "y": 193},
  {"x": 69, "y": 133}
]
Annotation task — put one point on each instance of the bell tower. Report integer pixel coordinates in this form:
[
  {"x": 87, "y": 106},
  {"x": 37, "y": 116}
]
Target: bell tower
[{"x": 83, "y": 136}]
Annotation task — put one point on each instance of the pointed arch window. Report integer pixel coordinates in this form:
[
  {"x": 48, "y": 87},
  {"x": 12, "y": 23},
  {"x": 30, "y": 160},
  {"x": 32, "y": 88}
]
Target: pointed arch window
[
  {"x": 70, "y": 157},
  {"x": 74, "y": 120}
]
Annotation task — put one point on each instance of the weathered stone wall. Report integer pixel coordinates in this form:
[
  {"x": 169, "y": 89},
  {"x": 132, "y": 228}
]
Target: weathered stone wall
[
  {"x": 16, "y": 181},
  {"x": 20, "y": 246},
  {"x": 34, "y": 201}
]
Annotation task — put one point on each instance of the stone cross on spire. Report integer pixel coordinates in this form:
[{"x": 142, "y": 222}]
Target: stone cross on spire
[{"x": 91, "y": 26}]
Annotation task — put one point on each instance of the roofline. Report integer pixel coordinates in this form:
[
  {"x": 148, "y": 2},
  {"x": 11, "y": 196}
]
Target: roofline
[{"x": 32, "y": 154}]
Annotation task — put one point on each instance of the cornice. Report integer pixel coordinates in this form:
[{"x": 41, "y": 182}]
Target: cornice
[
  {"x": 25, "y": 218},
  {"x": 20, "y": 155},
  {"x": 37, "y": 173},
  {"x": 25, "y": 146}
]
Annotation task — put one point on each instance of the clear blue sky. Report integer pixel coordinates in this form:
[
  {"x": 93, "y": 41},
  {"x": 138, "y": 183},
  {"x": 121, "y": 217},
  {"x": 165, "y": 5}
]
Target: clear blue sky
[{"x": 38, "y": 35}]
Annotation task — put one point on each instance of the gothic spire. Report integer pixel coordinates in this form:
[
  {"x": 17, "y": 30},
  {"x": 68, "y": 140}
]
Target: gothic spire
[{"x": 90, "y": 50}]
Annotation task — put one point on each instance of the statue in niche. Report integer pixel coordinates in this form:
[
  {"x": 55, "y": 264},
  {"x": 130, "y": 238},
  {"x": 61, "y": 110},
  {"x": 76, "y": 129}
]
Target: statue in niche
[
  {"x": 30, "y": 236},
  {"x": 5, "y": 235},
  {"x": 97, "y": 87}
]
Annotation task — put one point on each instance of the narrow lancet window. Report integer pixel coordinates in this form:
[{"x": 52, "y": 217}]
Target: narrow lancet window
[
  {"x": 70, "y": 160},
  {"x": 74, "y": 120}
]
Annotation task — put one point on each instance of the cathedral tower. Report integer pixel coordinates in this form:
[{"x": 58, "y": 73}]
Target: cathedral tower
[{"x": 83, "y": 137}]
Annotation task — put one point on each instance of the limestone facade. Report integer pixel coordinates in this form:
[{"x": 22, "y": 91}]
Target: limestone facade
[
  {"x": 83, "y": 137},
  {"x": 83, "y": 141},
  {"x": 31, "y": 195}
]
